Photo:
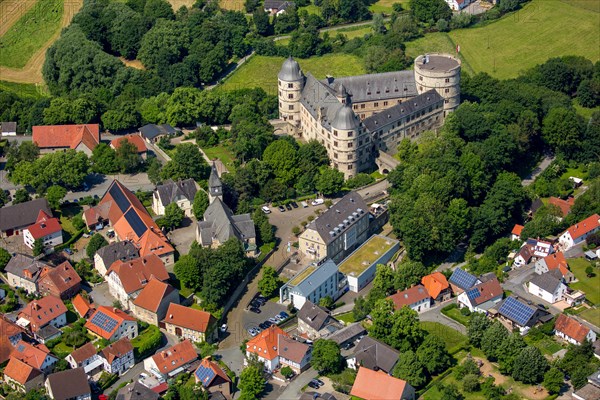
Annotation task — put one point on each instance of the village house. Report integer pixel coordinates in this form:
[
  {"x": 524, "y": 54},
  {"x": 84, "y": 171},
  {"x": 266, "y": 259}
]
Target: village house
[
  {"x": 515, "y": 313},
  {"x": 373, "y": 354},
  {"x": 152, "y": 133},
  {"x": 8, "y": 129},
  {"x": 531, "y": 251},
  {"x": 293, "y": 354},
  {"x": 348, "y": 334},
  {"x": 457, "y": 5},
  {"x": 49, "y": 310},
  {"x": 213, "y": 379},
  {"x": 36, "y": 355},
  {"x": 71, "y": 384},
  {"x": 169, "y": 362},
  {"x": 573, "y": 331},
  {"x": 277, "y": 7},
  {"x": 153, "y": 301},
  {"x": 563, "y": 205},
  {"x": 136, "y": 391},
  {"x": 189, "y": 323},
  {"x": 461, "y": 280},
  {"x": 437, "y": 286},
  {"x": 548, "y": 286},
  {"x": 82, "y": 306},
  {"x": 16, "y": 218},
  {"x": 46, "y": 229},
  {"x": 337, "y": 231},
  {"x": 11, "y": 335},
  {"x": 85, "y": 357},
  {"x": 555, "y": 261},
  {"x": 377, "y": 385},
  {"x": 126, "y": 279},
  {"x": 24, "y": 272},
  {"x": 112, "y": 324},
  {"x": 266, "y": 347},
  {"x": 415, "y": 298},
  {"x": 181, "y": 192},
  {"x": 313, "y": 321},
  {"x": 117, "y": 357},
  {"x": 50, "y": 138},
  {"x": 313, "y": 283},
  {"x": 61, "y": 281},
  {"x": 131, "y": 221},
  {"x": 579, "y": 232},
  {"x": 136, "y": 140},
  {"x": 482, "y": 297},
  {"x": 107, "y": 255},
  {"x": 515, "y": 234},
  {"x": 591, "y": 389},
  {"x": 22, "y": 376}
]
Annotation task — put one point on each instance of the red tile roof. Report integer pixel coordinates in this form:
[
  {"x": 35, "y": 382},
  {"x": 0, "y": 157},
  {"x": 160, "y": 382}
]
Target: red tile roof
[
  {"x": 435, "y": 283},
  {"x": 60, "y": 136},
  {"x": 571, "y": 328},
  {"x": 135, "y": 274},
  {"x": 33, "y": 355},
  {"x": 134, "y": 139},
  {"x": 557, "y": 260},
  {"x": 117, "y": 349},
  {"x": 113, "y": 313},
  {"x": 86, "y": 351},
  {"x": 409, "y": 296},
  {"x": 487, "y": 291},
  {"x": 8, "y": 329},
  {"x": 59, "y": 280},
  {"x": 587, "y": 225},
  {"x": 265, "y": 343},
  {"x": 174, "y": 357},
  {"x": 189, "y": 318},
  {"x": 44, "y": 225},
  {"x": 81, "y": 305},
  {"x": 563, "y": 205},
  {"x": 20, "y": 371},
  {"x": 163, "y": 387},
  {"x": 153, "y": 294},
  {"x": 40, "y": 312},
  {"x": 517, "y": 229},
  {"x": 377, "y": 385}
]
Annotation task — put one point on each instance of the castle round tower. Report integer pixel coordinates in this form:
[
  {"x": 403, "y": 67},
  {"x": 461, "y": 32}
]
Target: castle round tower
[
  {"x": 290, "y": 82},
  {"x": 440, "y": 72},
  {"x": 345, "y": 128}
]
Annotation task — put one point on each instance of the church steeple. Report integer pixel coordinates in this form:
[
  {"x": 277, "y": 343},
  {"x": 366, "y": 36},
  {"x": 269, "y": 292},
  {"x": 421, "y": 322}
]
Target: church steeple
[{"x": 215, "y": 187}]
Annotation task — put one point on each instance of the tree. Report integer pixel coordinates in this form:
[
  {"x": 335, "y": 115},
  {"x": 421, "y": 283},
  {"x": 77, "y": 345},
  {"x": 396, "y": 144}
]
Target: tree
[
  {"x": 96, "y": 243},
  {"x": 553, "y": 380},
  {"x": 127, "y": 157},
  {"x": 378, "y": 24},
  {"x": 470, "y": 383},
  {"x": 530, "y": 365},
  {"x": 589, "y": 271},
  {"x": 163, "y": 45},
  {"x": 21, "y": 196},
  {"x": 154, "y": 170},
  {"x": 187, "y": 270},
  {"x": 381, "y": 317},
  {"x": 409, "y": 273},
  {"x": 251, "y": 383},
  {"x": 54, "y": 195},
  {"x": 406, "y": 330},
  {"x": 186, "y": 163},
  {"x": 361, "y": 308},
  {"x": 326, "y": 357},
  {"x": 509, "y": 350},
  {"x": 38, "y": 247},
  {"x": 562, "y": 130},
  {"x": 492, "y": 339},
  {"x": 448, "y": 392},
  {"x": 155, "y": 9},
  {"x": 61, "y": 365},
  {"x": 468, "y": 367},
  {"x": 104, "y": 160},
  {"x": 326, "y": 302},
  {"x": 478, "y": 324},
  {"x": 282, "y": 157},
  {"x": 330, "y": 181},
  {"x": 4, "y": 197},
  {"x": 173, "y": 216},
  {"x": 287, "y": 371},
  {"x": 4, "y": 258},
  {"x": 200, "y": 204},
  {"x": 433, "y": 355},
  {"x": 430, "y": 10},
  {"x": 588, "y": 93},
  {"x": 269, "y": 282},
  {"x": 410, "y": 369}
]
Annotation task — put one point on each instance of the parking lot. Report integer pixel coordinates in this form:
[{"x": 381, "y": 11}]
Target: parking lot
[{"x": 251, "y": 320}]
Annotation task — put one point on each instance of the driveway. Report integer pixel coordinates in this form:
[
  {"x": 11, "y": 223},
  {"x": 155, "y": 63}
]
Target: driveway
[
  {"x": 435, "y": 315},
  {"x": 293, "y": 389},
  {"x": 100, "y": 294},
  {"x": 182, "y": 238}
]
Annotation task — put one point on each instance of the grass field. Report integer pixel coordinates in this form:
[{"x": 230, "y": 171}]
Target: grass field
[
  {"x": 385, "y": 6},
  {"x": 584, "y": 111},
  {"x": 30, "y": 33},
  {"x": 591, "y": 315},
  {"x": 455, "y": 314},
  {"x": 348, "y": 317},
  {"x": 350, "y": 33},
  {"x": 312, "y": 9},
  {"x": 236, "y": 5},
  {"x": 261, "y": 71},
  {"x": 587, "y": 285},
  {"x": 223, "y": 154},
  {"x": 24, "y": 89},
  {"x": 451, "y": 337},
  {"x": 591, "y": 5}
]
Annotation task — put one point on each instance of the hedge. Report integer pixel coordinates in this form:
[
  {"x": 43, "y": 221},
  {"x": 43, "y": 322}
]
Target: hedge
[
  {"x": 69, "y": 242},
  {"x": 146, "y": 343}
]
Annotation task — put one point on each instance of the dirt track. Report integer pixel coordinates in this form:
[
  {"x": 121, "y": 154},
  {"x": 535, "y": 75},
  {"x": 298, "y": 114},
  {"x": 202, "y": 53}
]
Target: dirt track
[
  {"x": 11, "y": 11},
  {"x": 32, "y": 71}
]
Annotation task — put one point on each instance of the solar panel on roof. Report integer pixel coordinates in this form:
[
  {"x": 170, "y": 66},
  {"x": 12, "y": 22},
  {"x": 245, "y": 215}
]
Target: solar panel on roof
[
  {"x": 104, "y": 322},
  {"x": 516, "y": 311},
  {"x": 473, "y": 294},
  {"x": 135, "y": 222},
  {"x": 119, "y": 198},
  {"x": 205, "y": 375},
  {"x": 462, "y": 279}
]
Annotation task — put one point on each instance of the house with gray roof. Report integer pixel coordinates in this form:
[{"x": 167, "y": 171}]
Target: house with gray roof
[
  {"x": 152, "y": 133},
  {"x": 8, "y": 129},
  {"x": 348, "y": 334},
  {"x": 373, "y": 354},
  {"x": 338, "y": 231},
  {"x": 25, "y": 272},
  {"x": 277, "y": 7},
  {"x": 315, "y": 321},
  {"x": 316, "y": 281},
  {"x": 107, "y": 255},
  {"x": 181, "y": 192},
  {"x": 548, "y": 286},
  {"x": 14, "y": 219}
]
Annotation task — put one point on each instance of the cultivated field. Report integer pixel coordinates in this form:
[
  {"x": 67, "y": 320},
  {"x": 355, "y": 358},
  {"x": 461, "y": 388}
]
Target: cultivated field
[
  {"x": 11, "y": 11},
  {"x": 236, "y": 5},
  {"x": 385, "y": 6},
  {"x": 261, "y": 71}
]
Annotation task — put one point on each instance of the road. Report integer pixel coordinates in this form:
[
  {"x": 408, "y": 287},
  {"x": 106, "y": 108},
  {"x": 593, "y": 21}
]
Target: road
[
  {"x": 293, "y": 390},
  {"x": 545, "y": 163}
]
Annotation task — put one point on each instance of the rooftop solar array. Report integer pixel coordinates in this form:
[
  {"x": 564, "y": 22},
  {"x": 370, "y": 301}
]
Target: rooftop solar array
[
  {"x": 135, "y": 222},
  {"x": 473, "y": 293},
  {"x": 117, "y": 194},
  {"x": 516, "y": 311},
  {"x": 205, "y": 375},
  {"x": 104, "y": 322},
  {"x": 462, "y": 279}
]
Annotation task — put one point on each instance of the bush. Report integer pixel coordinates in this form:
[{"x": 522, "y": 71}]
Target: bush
[
  {"x": 287, "y": 371},
  {"x": 146, "y": 343},
  {"x": 107, "y": 379},
  {"x": 465, "y": 311},
  {"x": 470, "y": 383}
]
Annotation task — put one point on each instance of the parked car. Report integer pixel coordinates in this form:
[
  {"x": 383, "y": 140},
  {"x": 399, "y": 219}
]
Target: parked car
[
  {"x": 304, "y": 204},
  {"x": 69, "y": 251},
  {"x": 347, "y": 346},
  {"x": 224, "y": 328},
  {"x": 284, "y": 314},
  {"x": 279, "y": 318},
  {"x": 281, "y": 208},
  {"x": 262, "y": 326},
  {"x": 266, "y": 209},
  {"x": 288, "y": 206},
  {"x": 273, "y": 320},
  {"x": 261, "y": 301},
  {"x": 317, "y": 202},
  {"x": 318, "y": 382},
  {"x": 294, "y": 204},
  {"x": 313, "y": 385},
  {"x": 252, "y": 332},
  {"x": 267, "y": 324},
  {"x": 255, "y": 310}
]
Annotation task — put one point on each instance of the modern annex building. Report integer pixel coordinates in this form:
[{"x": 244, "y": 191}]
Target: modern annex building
[{"x": 356, "y": 117}]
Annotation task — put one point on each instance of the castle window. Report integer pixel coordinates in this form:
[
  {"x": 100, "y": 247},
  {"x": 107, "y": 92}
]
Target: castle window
[
  {"x": 447, "y": 80},
  {"x": 362, "y": 116},
  {"x": 360, "y": 142},
  {"x": 350, "y": 166},
  {"x": 291, "y": 107},
  {"x": 446, "y": 90},
  {"x": 335, "y": 143},
  {"x": 335, "y": 133},
  {"x": 421, "y": 88},
  {"x": 350, "y": 134},
  {"x": 362, "y": 106},
  {"x": 350, "y": 145},
  {"x": 350, "y": 156},
  {"x": 279, "y": 82},
  {"x": 385, "y": 103},
  {"x": 420, "y": 78},
  {"x": 290, "y": 96},
  {"x": 290, "y": 85},
  {"x": 355, "y": 107},
  {"x": 335, "y": 165},
  {"x": 446, "y": 101},
  {"x": 335, "y": 155},
  {"x": 291, "y": 117},
  {"x": 280, "y": 92},
  {"x": 376, "y": 104},
  {"x": 279, "y": 104}
]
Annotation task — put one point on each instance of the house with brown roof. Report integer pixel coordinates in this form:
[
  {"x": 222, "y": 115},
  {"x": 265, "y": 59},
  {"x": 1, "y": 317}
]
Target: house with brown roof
[
  {"x": 22, "y": 376},
  {"x": 373, "y": 354},
  {"x": 118, "y": 357},
  {"x": 212, "y": 378},
  {"x": 130, "y": 221},
  {"x": 189, "y": 323},
  {"x": 265, "y": 346},
  {"x": 153, "y": 301},
  {"x": 573, "y": 331},
  {"x": 555, "y": 261},
  {"x": 415, "y": 298},
  {"x": 46, "y": 228},
  {"x": 11, "y": 335},
  {"x": 107, "y": 255},
  {"x": 126, "y": 279},
  {"x": 532, "y": 250},
  {"x": 563, "y": 205},
  {"x": 112, "y": 324},
  {"x": 85, "y": 357},
  {"x": 579, "y": 232},
  {"x": 437, "y": 286},
  {"x": 51, "y": 138},
  {"x": 61, "y": 281},
  {"x": 82, "y": 306},
  {"x": 136, "y": 140},
  {"x": 49, "y": 310},
  {"x": 377, "y": 385},
  {"x": 71, "y": 384},
  {"x": 14, "y": 219},
  {"x": 172, "y": 361},
  {"x": 136, "y": 391},
  {"x": 515, "y": 234},
  {"x": 482, "y": 296},
  {"x": 8, "y": 129},
  {"x": 293, "y": 354},
  {"x": 24, "y": 271}
]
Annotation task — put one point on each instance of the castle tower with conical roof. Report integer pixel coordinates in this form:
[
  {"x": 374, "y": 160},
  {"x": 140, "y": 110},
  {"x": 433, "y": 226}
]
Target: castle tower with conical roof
[{"x": 290, "y": 82}]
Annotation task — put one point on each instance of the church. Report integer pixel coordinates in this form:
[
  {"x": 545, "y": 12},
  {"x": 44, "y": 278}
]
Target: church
[{"x": 358, "y": 117}]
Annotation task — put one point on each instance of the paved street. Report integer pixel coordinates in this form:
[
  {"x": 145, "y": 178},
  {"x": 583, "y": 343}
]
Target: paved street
[
  {"x": 294, "y": 389},
  {"x": 545, "y": 163}
]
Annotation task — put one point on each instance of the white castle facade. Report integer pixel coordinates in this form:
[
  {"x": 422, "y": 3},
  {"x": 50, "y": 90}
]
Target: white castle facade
[{"x": 357, "y": 117}]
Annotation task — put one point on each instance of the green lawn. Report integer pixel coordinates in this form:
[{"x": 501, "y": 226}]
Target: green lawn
[
  {"x": 540, "y": 30},
  {"x": 385, "y": 6},
  {"x": 24, "y": 89},
  {"x": 348, "y": 317},
  {"x": 547, "y": 345},
  {"x": 261, "y": 71},
  {"x": 591, "y": 315},
  {"x": 350, "y": 33},
  {"x": 312, "y": 9},
  {"x": 453, "y": 338},
  {"x": 30, "y": 33},
  {"x": 584, "y": 111},
  {"x": 587, "y": 285},
  {"x": 222, "y": 153},
  {"x": 455, "y": 314}
]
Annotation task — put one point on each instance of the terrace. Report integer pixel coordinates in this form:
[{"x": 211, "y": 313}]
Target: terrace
[{"x": 302, "y": 275}]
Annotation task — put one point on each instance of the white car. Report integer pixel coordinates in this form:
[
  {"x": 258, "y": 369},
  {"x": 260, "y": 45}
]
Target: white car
[
  {"x": 224, "y": 328},
  {"x": 317, "y": 202},
  {"x": 266, "y": 209}
]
